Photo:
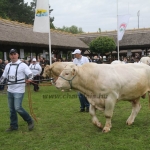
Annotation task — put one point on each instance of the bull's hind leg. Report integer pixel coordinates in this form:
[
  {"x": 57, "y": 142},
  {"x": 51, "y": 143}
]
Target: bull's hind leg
[
  {"x": 92, "y": 112},
  {"x": 136, "y": 106}
]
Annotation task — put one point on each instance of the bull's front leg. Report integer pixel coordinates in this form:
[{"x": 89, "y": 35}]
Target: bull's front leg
[
  {"x": 108, "y": 112},
  {"x": 95, "y": 120},
  {"x": 135, "y": 109}
]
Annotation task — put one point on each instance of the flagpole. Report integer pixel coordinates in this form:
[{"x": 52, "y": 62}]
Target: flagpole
[
  {"x": 42, "y": 21},
  {"x": 50, "y": 58},
  {"x": 117, "y": 31}
]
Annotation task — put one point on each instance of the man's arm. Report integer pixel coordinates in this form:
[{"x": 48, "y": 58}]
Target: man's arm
[{"x": 86, "y": 60}]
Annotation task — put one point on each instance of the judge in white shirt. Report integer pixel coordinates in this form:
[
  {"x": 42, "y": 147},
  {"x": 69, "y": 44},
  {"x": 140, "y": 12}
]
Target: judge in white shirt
[
  {"x": 36, "y": 71},
  {"x": 80, "y": 60}
]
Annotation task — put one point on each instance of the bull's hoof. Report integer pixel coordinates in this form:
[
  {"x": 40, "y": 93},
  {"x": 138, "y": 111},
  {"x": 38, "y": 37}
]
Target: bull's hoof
[
  {"x": 106, "y": 129},
  {"x": 98, "y": 124},
  {"x": 129, "y": 123}
]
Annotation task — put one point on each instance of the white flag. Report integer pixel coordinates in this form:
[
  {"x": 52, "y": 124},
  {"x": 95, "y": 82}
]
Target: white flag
[
  {"x": 122, "y": 24},
  {"x": 41, "y": 21}
]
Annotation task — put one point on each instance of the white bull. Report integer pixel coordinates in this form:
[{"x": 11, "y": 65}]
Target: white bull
[
  {"x": 105, "y": 84},
  {"x": 145, "y": 60}
]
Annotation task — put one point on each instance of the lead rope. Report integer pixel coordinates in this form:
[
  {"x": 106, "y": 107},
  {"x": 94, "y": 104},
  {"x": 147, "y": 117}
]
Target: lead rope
[{"x": 30, "y": 102}]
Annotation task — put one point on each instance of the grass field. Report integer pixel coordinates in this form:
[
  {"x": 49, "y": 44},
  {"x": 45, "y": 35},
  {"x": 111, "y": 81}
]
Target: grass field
[{"x": 62, "y": 127}]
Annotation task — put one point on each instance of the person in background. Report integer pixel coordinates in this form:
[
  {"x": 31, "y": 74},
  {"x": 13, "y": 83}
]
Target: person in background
[
  {"x": 6, "y": 62},
  {"x": 90, "y": 60},
  {"x": 125, "y": 60},
  {"x": 5, "y": 81},
  {"x": 132, "y": 60},
  {"x": 43, "y": 63},
  {"x": 80, "y": 60},
  {"x": 137, "y": 60},
  {"x": 15, "y": 72},
  {"x": 36, "y": 71},
  {"x": 97, "y": 60},
  {"x": 2, "y": 66}
]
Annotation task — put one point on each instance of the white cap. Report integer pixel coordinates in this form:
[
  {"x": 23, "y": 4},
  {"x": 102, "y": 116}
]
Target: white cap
[
  {"x": 77, "y": 51},
  {"x": 34, "y": 59}
]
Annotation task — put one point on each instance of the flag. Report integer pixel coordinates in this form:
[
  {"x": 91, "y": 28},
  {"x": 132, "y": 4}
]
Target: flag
[
  {"x": 41, "y": 21},
  {"x": 122, "y": 24}
]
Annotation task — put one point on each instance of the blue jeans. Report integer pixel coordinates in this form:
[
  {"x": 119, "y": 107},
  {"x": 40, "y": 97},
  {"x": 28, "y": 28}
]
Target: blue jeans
[
  {"x": 15, "y": 106},
  {"x": 83, "y": 101}
]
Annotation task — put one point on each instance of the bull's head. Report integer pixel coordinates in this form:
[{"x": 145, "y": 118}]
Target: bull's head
[
  {"x": 66, "y": 77},
  {"x": 46, "y": 72}
]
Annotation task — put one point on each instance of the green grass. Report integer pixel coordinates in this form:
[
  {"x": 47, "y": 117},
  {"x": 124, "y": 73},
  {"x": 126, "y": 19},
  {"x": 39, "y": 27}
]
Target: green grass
[{"x": 62, "y": 127}]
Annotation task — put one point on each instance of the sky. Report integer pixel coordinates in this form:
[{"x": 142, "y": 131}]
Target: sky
[{"x": 90, "y": 15}]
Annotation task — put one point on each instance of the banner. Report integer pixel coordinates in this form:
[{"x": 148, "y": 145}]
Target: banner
[
  {"x": 122, "y": 24},
  {"x": 41, "y": 21}
]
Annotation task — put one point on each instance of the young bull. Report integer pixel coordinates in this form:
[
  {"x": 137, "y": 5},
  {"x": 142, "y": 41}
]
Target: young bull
[
  {"x": 54, "y": 70},
  {"x": 105, "y": 84}
]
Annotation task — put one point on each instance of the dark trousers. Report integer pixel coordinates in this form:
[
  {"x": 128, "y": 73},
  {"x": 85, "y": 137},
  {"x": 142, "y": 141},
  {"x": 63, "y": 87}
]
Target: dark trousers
[
  {"x": 83, "y": 101},
  {"x": 36, "y": 83}
]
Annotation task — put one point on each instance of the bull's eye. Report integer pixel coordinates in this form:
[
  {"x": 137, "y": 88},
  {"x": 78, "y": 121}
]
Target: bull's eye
[{"x": 66, "y": 74}]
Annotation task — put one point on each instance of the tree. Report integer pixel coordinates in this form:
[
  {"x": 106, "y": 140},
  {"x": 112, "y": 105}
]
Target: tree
[
  {"x": 51, "y": 18},
  {"x": 102, "y": 45},
  {"x": 73, "y": 29},
  {"x": 17, "y": 10},
  {"x": 99, "y": 30},
  {"x": 3, "y": 9}
]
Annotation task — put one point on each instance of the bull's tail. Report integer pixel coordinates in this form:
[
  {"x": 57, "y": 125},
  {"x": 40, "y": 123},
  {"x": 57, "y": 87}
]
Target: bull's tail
[{"x": 149, "y": 98}]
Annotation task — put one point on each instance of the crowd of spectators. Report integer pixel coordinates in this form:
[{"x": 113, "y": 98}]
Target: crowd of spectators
[{"x": 43, "y": 62}]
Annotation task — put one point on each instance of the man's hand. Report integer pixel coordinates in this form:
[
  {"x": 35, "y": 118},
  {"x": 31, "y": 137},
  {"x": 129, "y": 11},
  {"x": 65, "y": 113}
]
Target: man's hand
[{"x": 28, "y": 81}]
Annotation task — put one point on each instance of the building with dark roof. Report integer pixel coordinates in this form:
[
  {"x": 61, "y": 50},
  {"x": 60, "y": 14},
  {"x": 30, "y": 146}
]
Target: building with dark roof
[{"x": 21, "y": 36}]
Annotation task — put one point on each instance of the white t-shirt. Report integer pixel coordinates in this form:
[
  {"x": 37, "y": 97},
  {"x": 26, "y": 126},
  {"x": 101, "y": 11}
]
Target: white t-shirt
[
  {"x": 80, "y": 61},
  {"x": 36, "y": 69},
  {"x": 12, "y": 76}
]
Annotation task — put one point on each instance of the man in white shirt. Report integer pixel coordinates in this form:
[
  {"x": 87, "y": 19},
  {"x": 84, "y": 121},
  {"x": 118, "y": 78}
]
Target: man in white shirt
[
  {"x": 15, "y": 72},
  {"x": 80, "y": 60},
  {"x": 36, "y": 71}
]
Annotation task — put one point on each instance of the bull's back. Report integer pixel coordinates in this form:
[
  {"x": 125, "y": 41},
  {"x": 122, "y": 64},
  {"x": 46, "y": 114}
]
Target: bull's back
[{"x": 128, "y": 81}]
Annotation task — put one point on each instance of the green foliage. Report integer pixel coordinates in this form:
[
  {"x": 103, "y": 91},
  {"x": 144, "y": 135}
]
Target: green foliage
[
  {"x": 102, "y": 44},
  {"x": 17, "y": 10},
  {"x": 62, "y": 127},
  {"x": 73, "y": 29}
]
